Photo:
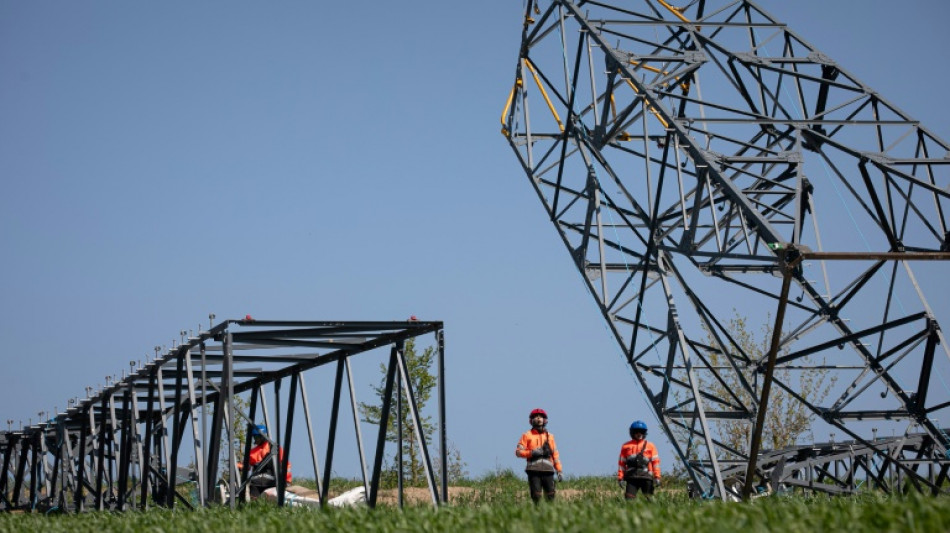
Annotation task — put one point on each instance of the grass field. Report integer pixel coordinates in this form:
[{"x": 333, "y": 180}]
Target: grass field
[{"x": 498, "y": 502}]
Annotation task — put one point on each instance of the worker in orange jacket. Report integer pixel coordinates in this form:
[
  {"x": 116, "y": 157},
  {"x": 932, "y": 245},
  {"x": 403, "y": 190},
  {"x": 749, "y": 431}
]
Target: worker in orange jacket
[
  {"x": 639, "y": 463},
  {"x": 264, "y": 479},
  {"x": 537, "y": 446}
]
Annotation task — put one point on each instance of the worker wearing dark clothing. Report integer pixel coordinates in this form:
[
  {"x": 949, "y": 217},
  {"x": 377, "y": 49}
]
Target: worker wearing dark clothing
[
  {"x": 639, "y": 463},
  {"x": 537, "y": 446}
]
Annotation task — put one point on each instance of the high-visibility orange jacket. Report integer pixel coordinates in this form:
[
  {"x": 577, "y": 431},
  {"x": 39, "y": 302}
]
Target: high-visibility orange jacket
[
  {"x": 634, "y": 447},
  {"x": 261, "y": 451},
  {"x": 536, "y": 439}
]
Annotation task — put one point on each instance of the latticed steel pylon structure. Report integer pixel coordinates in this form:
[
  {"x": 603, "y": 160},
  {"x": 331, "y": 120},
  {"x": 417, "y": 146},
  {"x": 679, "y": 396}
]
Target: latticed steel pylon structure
[
  {"x": 171, "y": 427},
  {"x": 702, "y": 161}
]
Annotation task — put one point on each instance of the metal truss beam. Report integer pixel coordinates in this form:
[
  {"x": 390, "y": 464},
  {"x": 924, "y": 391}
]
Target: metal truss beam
[
  {"x": 122, "y": 446},
  {"x": 704, "y": 161},
  {"x": 888, "y": 464}
]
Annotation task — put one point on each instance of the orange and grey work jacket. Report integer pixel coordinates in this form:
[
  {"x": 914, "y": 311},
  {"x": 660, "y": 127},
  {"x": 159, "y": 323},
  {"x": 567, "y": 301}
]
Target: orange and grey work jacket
[
  {"x": 537, "y": 439},
  {"x": 260, "y": 452},
  {"x": 632, "y": 448}
]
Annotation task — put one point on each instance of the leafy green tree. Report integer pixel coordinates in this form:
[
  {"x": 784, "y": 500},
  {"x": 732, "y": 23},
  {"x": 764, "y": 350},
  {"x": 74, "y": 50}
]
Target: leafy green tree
[
  {"x": 787, "y": 418},
  {"x": 240, "y": 406},
  {"x": 423, "y": 382}
]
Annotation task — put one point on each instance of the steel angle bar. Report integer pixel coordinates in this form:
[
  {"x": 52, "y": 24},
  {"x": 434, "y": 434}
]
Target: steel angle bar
[
  {"x": 443, "y": 432},
  {"x": 356, "y": 426},
  {"x": 417, "y": 423},
  {"x": 313, "y": 447},
  {"x": 245, "y": 473},
  {"x": 196, "y": 430},
  {"x": 331, "y": 441},
  {"x": 285, "y": 460},
  {"x": 125, "y": 453},
  {"x": 266, "y": 358},
  {"x": 381, "y": 436}
]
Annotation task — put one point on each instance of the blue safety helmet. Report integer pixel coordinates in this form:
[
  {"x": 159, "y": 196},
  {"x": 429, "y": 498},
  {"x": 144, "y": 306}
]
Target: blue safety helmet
[
  {"x": 259, "y": 430},
  {"x": 638, "y": 426}
]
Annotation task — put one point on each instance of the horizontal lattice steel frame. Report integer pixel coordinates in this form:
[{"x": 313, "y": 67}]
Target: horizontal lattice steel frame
[
  {"x": 843, "y": 467},
  {"x": 115, "y": 449},
  {"x": 685, "y": 156}
]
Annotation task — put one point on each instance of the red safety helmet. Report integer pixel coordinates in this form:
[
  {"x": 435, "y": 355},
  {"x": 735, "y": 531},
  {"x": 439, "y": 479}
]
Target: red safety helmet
[{"x": 538, "y": 412}]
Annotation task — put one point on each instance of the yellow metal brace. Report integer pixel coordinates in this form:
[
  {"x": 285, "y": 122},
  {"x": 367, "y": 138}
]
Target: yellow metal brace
[
  {"x": 520, "y": 83},
  {"x": 652, "y": 110},
  {"x": 511, "y": 96},
  {"x": 675, "y": 11},
  {"x": 544, "y": 93}
]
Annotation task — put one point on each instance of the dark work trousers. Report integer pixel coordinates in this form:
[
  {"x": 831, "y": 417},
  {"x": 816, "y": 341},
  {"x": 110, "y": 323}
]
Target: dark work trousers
[
  {"x": 538, "y": 481},
  {"x": 259, "y": 483},
  {"x": 638, "y": 484}
]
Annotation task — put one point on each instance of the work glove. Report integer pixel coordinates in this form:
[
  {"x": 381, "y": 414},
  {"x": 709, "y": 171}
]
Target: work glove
[
  {"x": 560, "y": 477},
  {"x": 620, "y": 483},
  {"x": 656, "y": 482}
]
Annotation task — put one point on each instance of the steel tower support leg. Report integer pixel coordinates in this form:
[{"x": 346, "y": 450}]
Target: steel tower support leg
[
  {"x": 400, "y": 468},
  {"x": 214, "y": 442},
  {"x": 275, "y": 445},
  {"x": 675, "y": 331},
  {"x": 35, "y": 470},
  {"x": 417, "y": 424},
  {"x": 195, "y": 431},
  {"x": 285, "y": 461},
  {"x": 138, "y": 465},
  {"x": 383, "y": 425},
  {"x": 331, "y": 441},
  {"x": 23, "y": 456},
  {"x": 313, "y": 445},
  {"x": 126, "y": 448},
  {"x": 81, "y": 459},
  {"x": 221, "y": 421},
  {"x": 57, "y": 485},
  {"x": 228, "y": 389},
  {"x": 171, "y": 470},
  {"x": 101, "y": 436},
  {"x": 115, "y": 453},
  {"x": 44, "y": 468},
  {"x": 163, "y": 444},
  {"x": 443, "y": 432},
  {"x": 763, "y": 406},
  {"x": 246, "y": 455},
  {"x": 148, "y": 475},
  {"x": 354, "y": 408},
  {"x": 9, "y": 446}
]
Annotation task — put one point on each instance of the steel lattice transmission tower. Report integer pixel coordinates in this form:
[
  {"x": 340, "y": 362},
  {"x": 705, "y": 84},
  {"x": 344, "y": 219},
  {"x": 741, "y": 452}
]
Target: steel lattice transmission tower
[{"x": 703, "y": 160}]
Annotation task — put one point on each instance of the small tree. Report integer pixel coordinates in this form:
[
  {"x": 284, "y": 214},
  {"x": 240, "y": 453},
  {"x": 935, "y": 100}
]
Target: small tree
[
  {"x": 456, "y": 470},
  {"x": 239, "y": 404},
  {"x": 423, "y": 382},
  {"x": 786, "y": 417}
]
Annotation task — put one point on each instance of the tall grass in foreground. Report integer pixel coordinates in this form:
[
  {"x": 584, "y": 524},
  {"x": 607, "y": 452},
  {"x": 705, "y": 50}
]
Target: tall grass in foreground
[{"x": 498, "y": 502}]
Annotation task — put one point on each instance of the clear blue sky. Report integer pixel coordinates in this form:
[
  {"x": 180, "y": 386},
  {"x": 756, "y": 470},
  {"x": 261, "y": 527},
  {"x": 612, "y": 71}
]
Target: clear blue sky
[{"x": 326, "y": 161}]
